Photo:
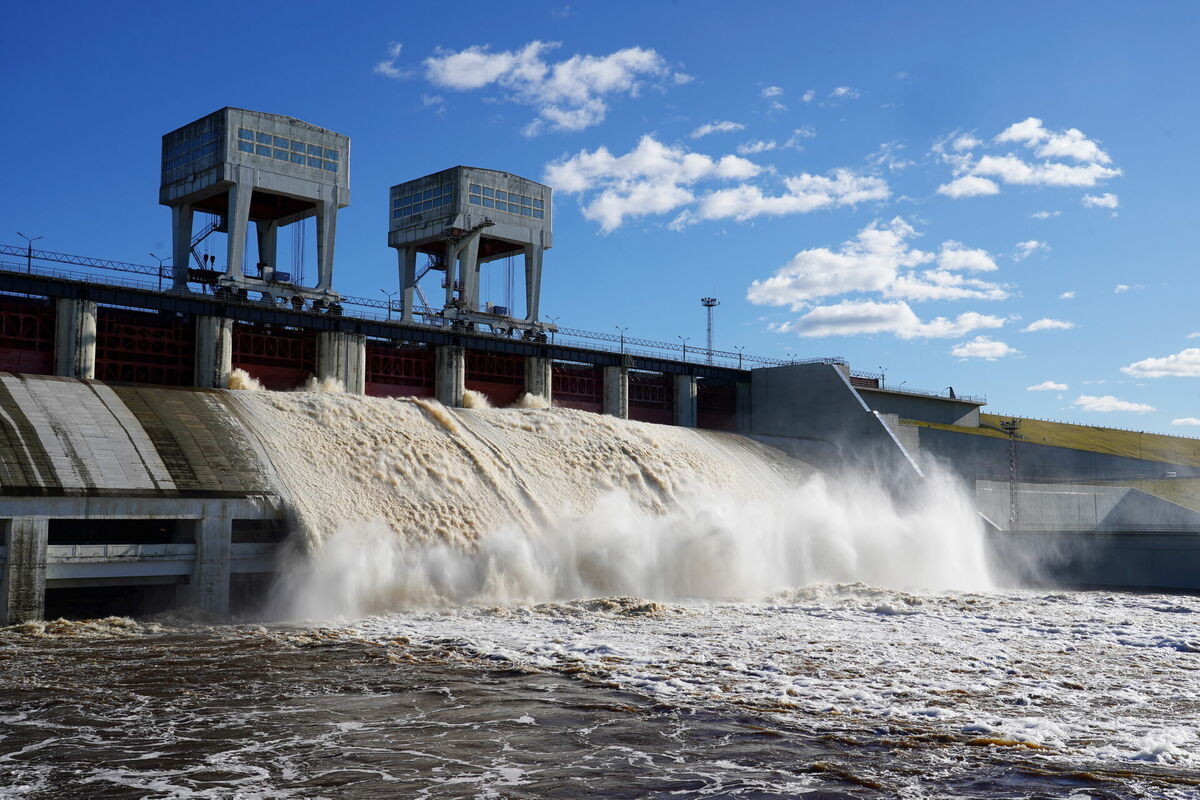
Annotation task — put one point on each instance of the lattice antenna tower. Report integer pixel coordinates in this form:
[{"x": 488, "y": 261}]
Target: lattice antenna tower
[
  {"x": 1011, "y": 426},
  {"x": 709, "y": 304}
]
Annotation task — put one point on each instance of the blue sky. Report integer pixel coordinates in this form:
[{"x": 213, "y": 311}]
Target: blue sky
[{"x": 989, "y": 197}]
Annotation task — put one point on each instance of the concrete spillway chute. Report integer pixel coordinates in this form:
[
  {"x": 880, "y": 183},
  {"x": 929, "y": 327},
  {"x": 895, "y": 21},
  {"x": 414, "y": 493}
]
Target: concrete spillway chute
[{"x": 463, "y": 218}]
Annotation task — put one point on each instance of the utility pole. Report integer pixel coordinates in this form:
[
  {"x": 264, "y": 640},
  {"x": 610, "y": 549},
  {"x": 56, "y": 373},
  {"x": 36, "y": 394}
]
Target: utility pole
[
  {"x": 160, "y": 261},
  {"x": 389, "y": 296},
  {"x": 29, "y": 250},
  {"x": 1010, "y": 426},
  {"x": 684, "y": 339},
  {"x": 709, "y": 303}
]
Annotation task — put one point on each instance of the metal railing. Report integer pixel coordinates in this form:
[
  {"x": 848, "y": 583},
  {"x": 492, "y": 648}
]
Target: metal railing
[{"x": 26, "y": 261}]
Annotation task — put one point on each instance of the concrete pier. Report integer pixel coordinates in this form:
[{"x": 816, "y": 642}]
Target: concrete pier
[
  {"x": 23, "y": 581},
  {"x": 75, "y": 338},
  {"x": 685, "y": 401},
  {"x": 343, "y": 356},
  {"x": 539, "y": 377},
  {"x": 210, "y": 576},
  {"x": 450, "y": 375},
  {"x": 616, "y": 392},
  {"x": 214, "y": 352}
]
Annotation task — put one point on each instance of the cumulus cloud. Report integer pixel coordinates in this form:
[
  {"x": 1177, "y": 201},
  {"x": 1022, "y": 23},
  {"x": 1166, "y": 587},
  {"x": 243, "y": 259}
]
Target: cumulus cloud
[
  {"x": 1184, "y": 364},
  {"x": 717, "y": 127},
  {"x": 1045, "y": 214},
  {"x": 844, "y": 93},
  {"x": 808, "y": 96},
  {"x": 1070, "y": 143},
  {"x": 1047, "y": 386},
  {"x": 853, "y": 317},
  {"x": 1068, "y": 295},
  {"x": 568, "y": 95},
  {"x": 983, "y": 347},
  {"x": 388, "y": 67},
  {"x": 1186, "y": 421},
  {"x": 1106, "y": 200},
  {"x": 1027, "y": 248},
  {"x": 1108, "y": 403},
  {"x": 772, "y": 91},
  {"x": 653, "y": 178},
  {"x": 880, "y": 260},
  {"x": 803, "y": 193},
  {"x": 1048, "y": 324},
  {"x": 1121, "y": 288},
  {"x": 1013, "y": 170},
  {"x": 1193, "y": 335},
  {"x": 756, "y": 146},
  {"x": 1067, "y": 158},
  {"x": 969, "y": 186},
  {"x": 798, "y": 136}
]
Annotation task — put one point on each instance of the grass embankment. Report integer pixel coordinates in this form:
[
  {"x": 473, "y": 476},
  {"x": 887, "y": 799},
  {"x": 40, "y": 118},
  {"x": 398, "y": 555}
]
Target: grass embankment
[{"x": 1111, "y": 441}]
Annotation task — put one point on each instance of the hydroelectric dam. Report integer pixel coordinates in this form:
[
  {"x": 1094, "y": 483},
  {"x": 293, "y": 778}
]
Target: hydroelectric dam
[{"x": 133, "y": 477}]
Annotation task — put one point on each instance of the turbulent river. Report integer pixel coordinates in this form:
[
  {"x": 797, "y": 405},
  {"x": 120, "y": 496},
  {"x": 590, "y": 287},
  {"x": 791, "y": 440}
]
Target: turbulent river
[{"x": 544, "y": 603}]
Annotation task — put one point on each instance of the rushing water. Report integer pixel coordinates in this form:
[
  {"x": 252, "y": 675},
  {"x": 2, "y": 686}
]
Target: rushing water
[{"x": 542, "y": 603}]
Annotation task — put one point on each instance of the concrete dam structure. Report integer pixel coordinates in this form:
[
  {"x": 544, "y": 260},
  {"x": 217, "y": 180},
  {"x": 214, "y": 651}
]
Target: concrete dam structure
[{"x": 146, "y": 488}]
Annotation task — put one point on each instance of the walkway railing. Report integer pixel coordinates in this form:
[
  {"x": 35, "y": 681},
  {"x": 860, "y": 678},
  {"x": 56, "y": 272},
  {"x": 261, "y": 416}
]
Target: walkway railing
[{"x": 23, "y": 259}]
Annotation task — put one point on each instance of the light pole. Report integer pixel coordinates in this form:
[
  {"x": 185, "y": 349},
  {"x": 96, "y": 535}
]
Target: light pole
[
  {"x": 554, "y": 322},
  {"x": 882, "y": 378},
  {"x": 389, "y": 296},
  {"x": 684, "y": 339},
  {"x": 29, "y": 250},
  {"x": 622, "y": 330},
  {"x": 160, "y": 261},
  {"x": 791, "y": 358},
  {"x": 740, "y": 350}
]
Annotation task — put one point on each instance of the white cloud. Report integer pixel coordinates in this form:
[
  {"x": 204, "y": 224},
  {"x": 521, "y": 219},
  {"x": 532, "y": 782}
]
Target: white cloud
[
  {"x": 1108, "y": 403},
  {"x": 772, "y": 91},
  {"x": 1121, "y": 287},
  {"x": 804, "y": 193},
  {"x": 853, "y": 317},
  {"x": 653, "y": 178},
  {"x": 1048, "y": 324},
  {"x": 983, "y": 347},
  {"x": 717, "y": 127},
  {"x": 1194, "y": 335},
  {"x": 568, "y": 95},
  {"x": 1068, "y": 295},
  {"x": 428, "y": 100},
  {"x": 798, "y": 136},
  {"x": 1013, "y": 170},
  {"x": 1186, "y": 421},
  {"x": 756, "y": 146},
  {"x": 847, "y": 92},
  {"x": 1047, "y": 386},
  {"x": 1070, "y": 143},
  {"x": 878, "y": 260},
  {"x": 954, "y": 256},
  {"x": 969, "y": 186},
  {"x": 1067, "y": 158},
  {"x": 1027, "y": 248},
  {"x": 388, "y": 67},
  {"x": 1045, "y": 214},
  {"x": 1184, "y": 364},
  {"x": 1106, "y": 200},
  {"x": 808, "y": 96}
]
